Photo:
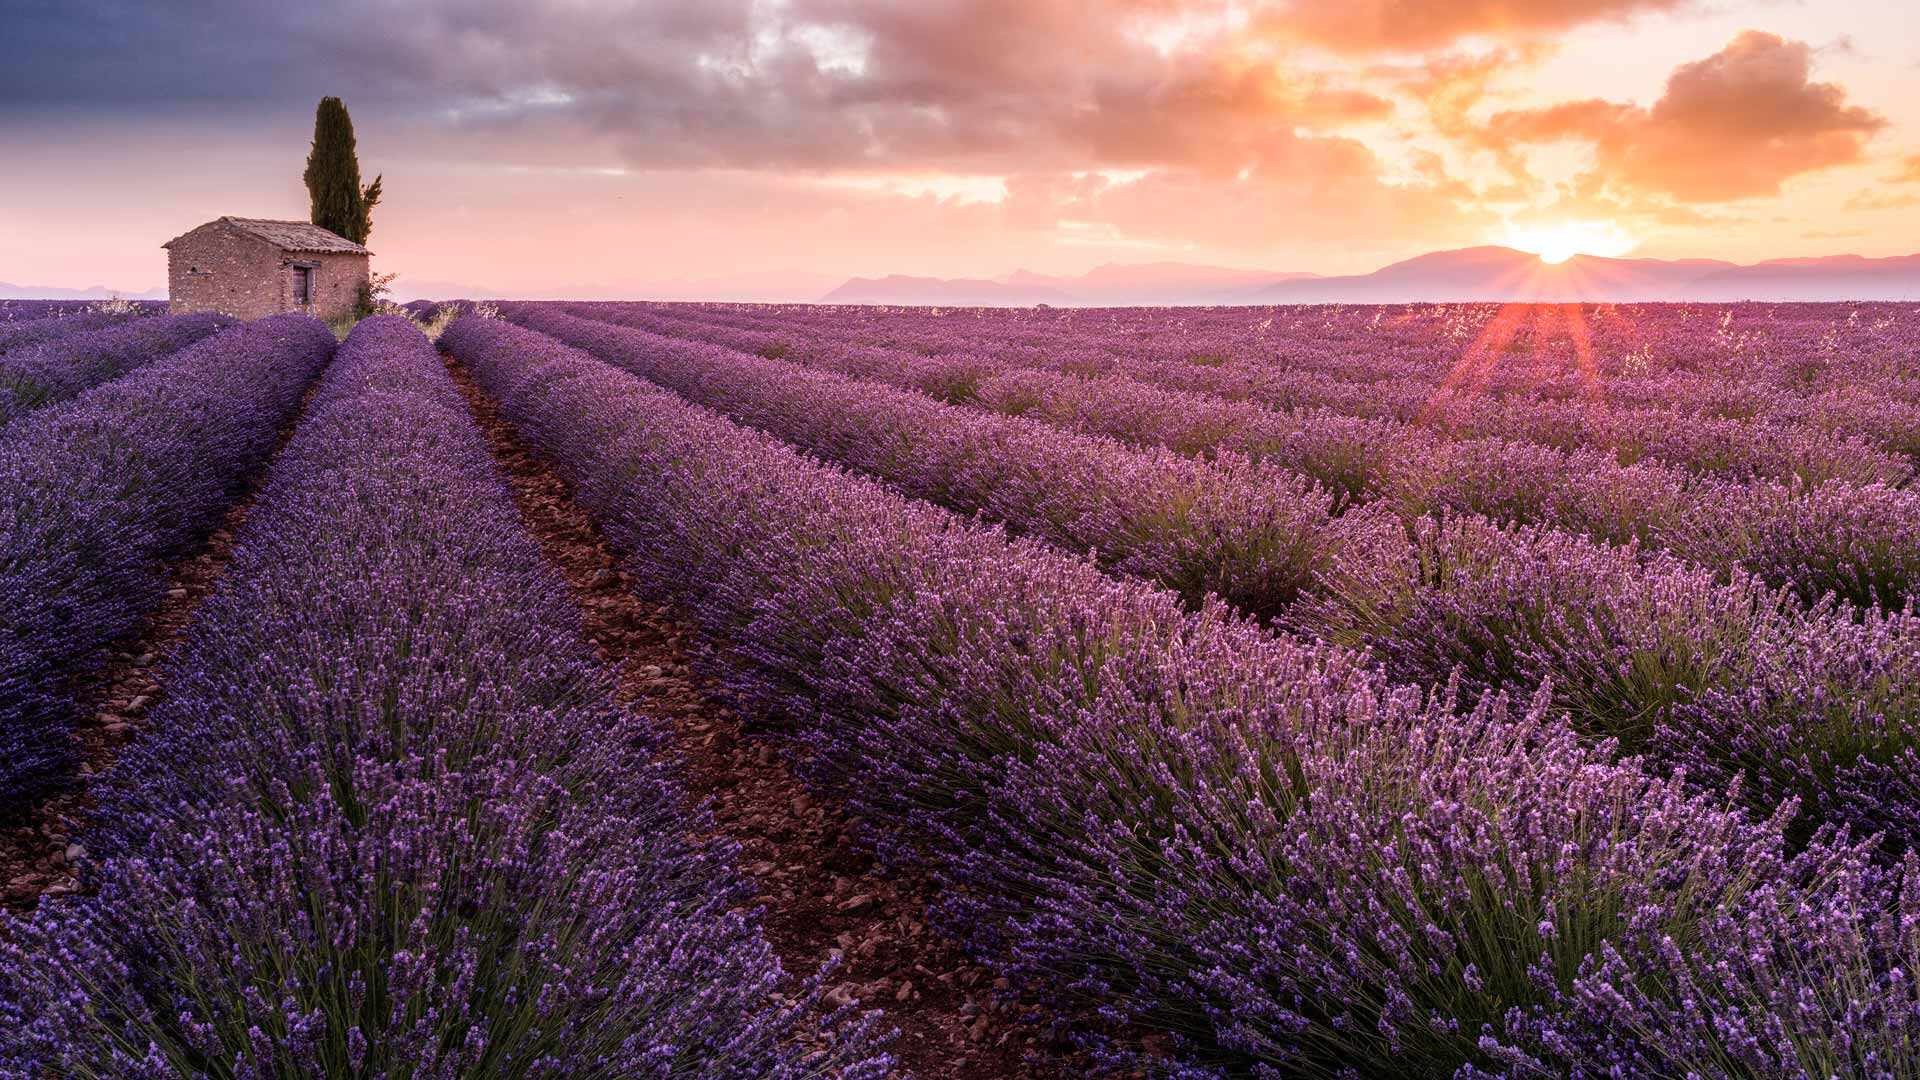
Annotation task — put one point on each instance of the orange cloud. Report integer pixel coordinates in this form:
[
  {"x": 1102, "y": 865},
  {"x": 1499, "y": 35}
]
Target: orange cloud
[
  {"x": 1735, "y": 125},
  {"x": 1359, "y": 26},
  {"x": 1868, "y": 200},
  {"x": 1909, "y": 172},
  {"x": 1299, "y": 192}
]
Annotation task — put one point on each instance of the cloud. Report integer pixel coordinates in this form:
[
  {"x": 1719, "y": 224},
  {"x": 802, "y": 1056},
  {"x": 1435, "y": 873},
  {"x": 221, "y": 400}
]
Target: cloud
[
  {"x": 976, "y": 85},
  {"x": 1299, "y": 193},
  {"x": 1909, "y": 171},
  {"x": 1869, "y": 200},
  {"x": 1735, "y": 125},
  {"x": 984, "y": 86},
  {"x": 1361, "y": 26}
]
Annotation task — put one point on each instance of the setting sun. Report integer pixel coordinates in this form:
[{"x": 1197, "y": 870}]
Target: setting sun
[{"x": 1556, "y": 242}]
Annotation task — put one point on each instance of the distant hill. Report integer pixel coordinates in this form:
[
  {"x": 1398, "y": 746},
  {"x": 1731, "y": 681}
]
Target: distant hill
[
  {"x": 1837, "y": 277},
  {"x": 761, "y": 286},
  {"x": 1112, "y": 285},
  {"x": 1503, "y": 274},
  {"x": 10, "y": 291},
  {"x": 944, "y": 292},
  {"x": 1490, "y": 274}
]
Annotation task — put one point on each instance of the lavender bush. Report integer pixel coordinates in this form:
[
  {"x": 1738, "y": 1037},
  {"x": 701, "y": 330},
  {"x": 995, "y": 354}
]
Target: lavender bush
[
  {"x": 1623, "y": 639},
  {"x": 31, "y": 332},
  {"x": 61, "y": 368},
  {"x": 1186, "y": 822},
  {"x": 19, "y": 311},
  {"x": 1451, "y": 368},
  {"x": 29, "y": 310},
  {"x": 389, "y": 821},
  {"x": 1839, "y": 536},
  {"x": 97, "y": 492},
  {"x": 1255, "y": 535}
]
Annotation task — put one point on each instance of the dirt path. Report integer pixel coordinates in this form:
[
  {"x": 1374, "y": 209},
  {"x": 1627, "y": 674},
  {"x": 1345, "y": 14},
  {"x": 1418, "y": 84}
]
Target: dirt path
[
  {"x": 38, "y": 857},
  {"x": 821, "y": 894}
]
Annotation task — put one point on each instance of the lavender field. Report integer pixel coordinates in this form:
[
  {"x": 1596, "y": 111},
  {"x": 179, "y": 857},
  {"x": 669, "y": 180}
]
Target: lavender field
[{"x": 620, "y": 689}]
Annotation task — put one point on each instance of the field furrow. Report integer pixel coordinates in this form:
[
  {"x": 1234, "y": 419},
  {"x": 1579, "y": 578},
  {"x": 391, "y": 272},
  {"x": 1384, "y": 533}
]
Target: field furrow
[
  {"x": 1254, "y": 844},
  {"x": 1859, "y": 541},
  {"x": 389, "y": 817},
  {"x": 1691, "y": 666},
  {"x": 98, "y": 494},
  {"x": 56, "y": 370},
  {"x": 1829, "y": 369},
  {"x": 822, "y": 899}
]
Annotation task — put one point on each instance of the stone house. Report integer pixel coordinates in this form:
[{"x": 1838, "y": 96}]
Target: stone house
[{"x": 250, "y": 268}]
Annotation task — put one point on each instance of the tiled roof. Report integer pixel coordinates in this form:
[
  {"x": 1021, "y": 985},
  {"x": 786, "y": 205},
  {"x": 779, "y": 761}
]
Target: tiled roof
[{"x": 292, "y": 235}]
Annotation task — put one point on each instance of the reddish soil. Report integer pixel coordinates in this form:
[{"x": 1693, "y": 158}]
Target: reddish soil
[
  {"x": 38, "y": 856},
  {"x": 821, "y": 893}
]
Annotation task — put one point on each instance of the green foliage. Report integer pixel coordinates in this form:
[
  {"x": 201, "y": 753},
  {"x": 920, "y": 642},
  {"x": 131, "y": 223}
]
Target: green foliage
[
  {"x": 373, "y": 297},
  {"x": 338, "y": 203}
]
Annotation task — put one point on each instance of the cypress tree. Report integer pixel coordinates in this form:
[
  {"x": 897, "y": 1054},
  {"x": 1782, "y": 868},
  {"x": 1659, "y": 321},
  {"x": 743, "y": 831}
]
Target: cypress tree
[{"x": 339, "y": 204}]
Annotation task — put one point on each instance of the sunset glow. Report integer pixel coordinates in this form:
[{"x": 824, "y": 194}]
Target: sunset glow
[
  {"x": 974, "y": 539},
  {"x": 763, "y": 149},
  {"x": 1559, "y": 241}
]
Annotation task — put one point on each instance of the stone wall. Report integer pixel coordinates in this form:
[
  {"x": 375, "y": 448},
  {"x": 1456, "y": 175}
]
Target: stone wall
[{"x": 217, "y": 267}]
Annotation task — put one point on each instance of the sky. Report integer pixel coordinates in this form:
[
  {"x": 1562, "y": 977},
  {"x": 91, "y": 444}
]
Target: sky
[{"x": 736, "y": 147}]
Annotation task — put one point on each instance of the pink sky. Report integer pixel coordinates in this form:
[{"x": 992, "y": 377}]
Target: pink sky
[{"x": 781, "y": 145}]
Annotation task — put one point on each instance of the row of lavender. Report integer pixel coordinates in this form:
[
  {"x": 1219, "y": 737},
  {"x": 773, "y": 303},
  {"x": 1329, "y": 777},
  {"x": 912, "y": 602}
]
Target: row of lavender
[
  {"x": 24, "y": 335},
  {"x": 1185, "y": 822},
  {"x": 389, "y": 820},
  {"x": 1556, "y": 348},
  {"x": 60, "y": 368},
  {"x": 1711, "y": 673},
  {"x": 1729, "y": 424},
  {"x": 1739, "y": 360},
  {"x": 98, "y": 492},
  {"x": 1854, "y": 539},
  {"x": 1710, "y": 357},
  {"x": 21, "y": 311}
]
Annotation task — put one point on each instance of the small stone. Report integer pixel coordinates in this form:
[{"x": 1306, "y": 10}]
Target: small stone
[
  {"x": 855, "y": 903},
  {"x": 139, "y": 702},
  {"x": 905, "y": 991},
  {"x": 176, "y": 594},
  {"x": 76, "y": 852},
  {"x": 62, "y": 888},
  {"x": 145, "y": 659}
]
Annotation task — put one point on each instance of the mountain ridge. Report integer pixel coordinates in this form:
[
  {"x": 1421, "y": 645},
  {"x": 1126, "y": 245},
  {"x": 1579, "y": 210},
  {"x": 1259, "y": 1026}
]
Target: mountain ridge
[
  {"x": 10, "y": 291},
  {"x": 1485, "y": 273}
]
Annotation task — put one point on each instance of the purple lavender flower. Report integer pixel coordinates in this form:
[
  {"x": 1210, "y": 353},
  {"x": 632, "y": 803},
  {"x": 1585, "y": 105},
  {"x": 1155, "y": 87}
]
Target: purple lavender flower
[
  {"x": 97, "y": 492},
  {"x": 389, "y": 820},
  {"x": 65, "y": 366},
  {"x": 1184, "y": 821}
]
